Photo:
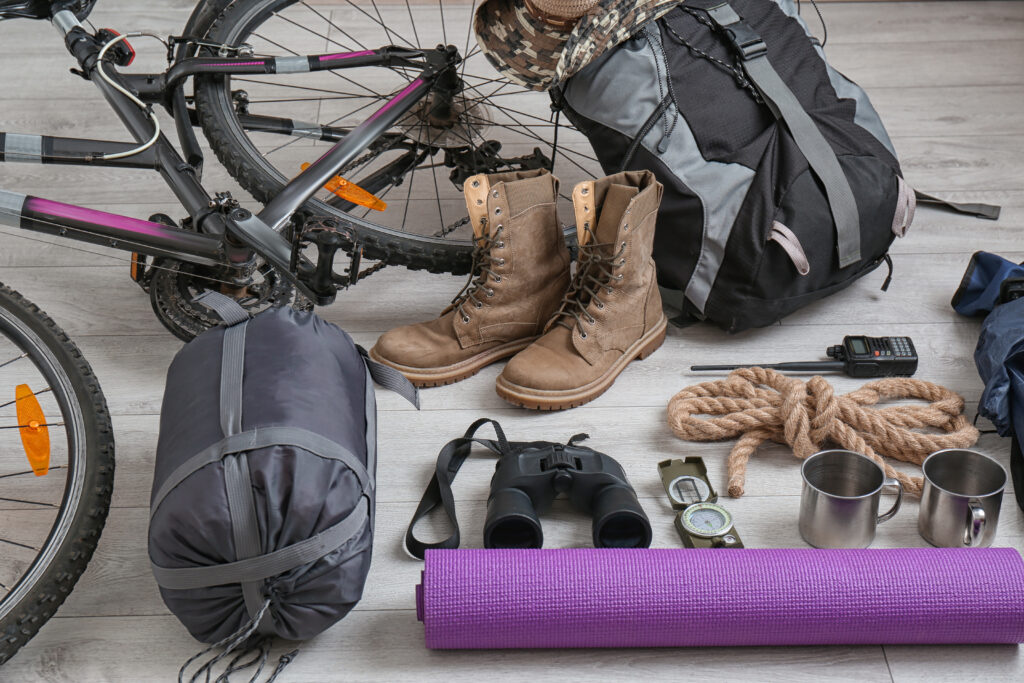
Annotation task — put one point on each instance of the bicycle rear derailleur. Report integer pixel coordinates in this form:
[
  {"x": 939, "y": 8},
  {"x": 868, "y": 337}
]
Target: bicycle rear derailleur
[{"x": 328, "y": 235}]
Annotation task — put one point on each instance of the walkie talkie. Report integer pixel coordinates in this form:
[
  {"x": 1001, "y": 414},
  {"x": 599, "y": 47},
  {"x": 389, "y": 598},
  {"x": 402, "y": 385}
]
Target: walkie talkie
[{"x": 856, "y": 356}]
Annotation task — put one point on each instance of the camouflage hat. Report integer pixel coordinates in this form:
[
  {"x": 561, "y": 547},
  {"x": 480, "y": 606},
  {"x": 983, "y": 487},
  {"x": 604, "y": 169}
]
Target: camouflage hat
[{"x": 538, "y": 43}]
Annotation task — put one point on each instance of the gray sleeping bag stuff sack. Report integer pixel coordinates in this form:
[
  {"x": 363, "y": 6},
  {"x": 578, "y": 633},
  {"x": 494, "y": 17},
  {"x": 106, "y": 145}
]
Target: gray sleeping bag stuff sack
[{"x": 263, "y": 498}]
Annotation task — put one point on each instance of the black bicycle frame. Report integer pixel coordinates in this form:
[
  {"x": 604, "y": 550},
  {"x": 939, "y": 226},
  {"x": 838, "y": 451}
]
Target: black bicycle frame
[{"x": 222, "y": 236}]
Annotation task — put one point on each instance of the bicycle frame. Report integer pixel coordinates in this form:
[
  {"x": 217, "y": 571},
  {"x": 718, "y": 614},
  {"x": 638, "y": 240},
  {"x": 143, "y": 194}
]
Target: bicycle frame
[{"x": 222, "y": 235}]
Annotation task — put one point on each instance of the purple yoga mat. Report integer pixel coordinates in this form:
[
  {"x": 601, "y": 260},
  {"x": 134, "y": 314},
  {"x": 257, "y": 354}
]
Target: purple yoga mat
[{"x": 683, "y": 598}]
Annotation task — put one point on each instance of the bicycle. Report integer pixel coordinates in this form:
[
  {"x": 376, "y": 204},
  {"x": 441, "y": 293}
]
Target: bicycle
[{"x": 425, "y": 109}]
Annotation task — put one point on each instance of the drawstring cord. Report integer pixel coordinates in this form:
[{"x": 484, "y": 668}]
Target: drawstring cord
[
  {"x": 480, "y": 273},
  {"x": 587, "y": 284},
  {"x": 260, "y": 647}
]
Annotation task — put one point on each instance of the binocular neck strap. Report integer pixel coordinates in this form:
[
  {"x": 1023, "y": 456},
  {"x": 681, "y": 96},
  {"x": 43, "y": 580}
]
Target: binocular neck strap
[{"x": 439, "y": 490}]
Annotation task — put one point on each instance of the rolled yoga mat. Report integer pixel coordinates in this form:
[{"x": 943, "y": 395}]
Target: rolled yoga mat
[{"x": 721, "y": 597}]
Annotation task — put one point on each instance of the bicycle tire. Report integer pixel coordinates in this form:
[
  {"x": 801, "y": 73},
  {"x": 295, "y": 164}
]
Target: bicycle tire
[
  {"x": 226, "y": 19},
  {"x": 39, "y": 601}
]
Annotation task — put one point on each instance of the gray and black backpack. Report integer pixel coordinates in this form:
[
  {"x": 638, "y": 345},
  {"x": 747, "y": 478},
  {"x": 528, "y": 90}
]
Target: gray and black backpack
[
  {"x": 781, "y": 184},
  {"x": 261, "y": 519}
]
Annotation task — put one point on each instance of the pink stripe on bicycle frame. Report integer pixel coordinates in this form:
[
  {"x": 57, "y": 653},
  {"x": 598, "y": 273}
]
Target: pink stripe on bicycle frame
[
  {"x": 345, "y": 55},
  {"x": 83, "y": 215},
  {"x": 233, "y": 64},
  {"x": 398, "y": 98}
]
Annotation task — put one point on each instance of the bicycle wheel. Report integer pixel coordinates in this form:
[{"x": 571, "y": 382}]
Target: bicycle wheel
[
  {"x": 56, "y": 468},
  {"x": 418, "y": 167}
]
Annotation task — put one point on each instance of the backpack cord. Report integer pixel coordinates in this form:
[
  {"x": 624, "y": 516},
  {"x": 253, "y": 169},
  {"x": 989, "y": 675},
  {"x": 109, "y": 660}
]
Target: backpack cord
[
  {"x": 260, "y": 646},
  {"x": 824, "y": 26},
  {"x": 734, "y": 69},
  {"x": 758, "y": 405}
]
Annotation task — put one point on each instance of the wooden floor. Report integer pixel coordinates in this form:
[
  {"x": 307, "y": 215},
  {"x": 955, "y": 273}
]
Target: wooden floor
[{"x": 948, "y": 80}]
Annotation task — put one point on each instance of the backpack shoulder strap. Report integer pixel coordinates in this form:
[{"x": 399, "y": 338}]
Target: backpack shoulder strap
[{"x": 753, "y": 51}]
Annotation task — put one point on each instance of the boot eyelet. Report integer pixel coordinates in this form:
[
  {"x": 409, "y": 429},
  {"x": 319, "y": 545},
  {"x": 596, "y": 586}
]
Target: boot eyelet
[
  {"x": 608, "y": 289},
  {"x": 591, "y": 320},
  {"x": 500, "y": 245},
  {"x": 497, "y": 211},
  {"x": 583, "y": 335},
  {"x": 625, "y": 227},
  {"x": 495, "y": 194},
  {"x": 476, "y": 183},
  {"x": 465, "y": 318},
  {"x": 619, "y": 276},
  {"x": 496, "y": 278},
  {"x": 490, "y": 293},
  {"x": 501, "y": 262},
  {"x": 622, "y": 262},
  {"x": 600, "y": 306}
]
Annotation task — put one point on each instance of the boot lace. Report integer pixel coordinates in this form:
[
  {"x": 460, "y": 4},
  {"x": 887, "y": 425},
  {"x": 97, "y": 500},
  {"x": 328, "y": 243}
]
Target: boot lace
[
  {"x": 595, "y": 272},
  {"x": 480, "y": 273}
]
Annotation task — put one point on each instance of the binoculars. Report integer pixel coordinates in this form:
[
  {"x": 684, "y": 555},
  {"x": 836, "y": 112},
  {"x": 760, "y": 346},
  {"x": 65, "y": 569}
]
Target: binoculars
[{"x": 526, "y": 482}]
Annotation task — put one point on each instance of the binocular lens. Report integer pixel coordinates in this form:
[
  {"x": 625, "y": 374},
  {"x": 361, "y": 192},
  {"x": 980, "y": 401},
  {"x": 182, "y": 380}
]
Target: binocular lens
[
  {"x": 623, "y": 530},
  {"x": 512, "y": 522},
  {"x": 619, "y": 521}
]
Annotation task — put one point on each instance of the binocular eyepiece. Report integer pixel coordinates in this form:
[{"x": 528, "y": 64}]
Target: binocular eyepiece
[{"x": 528, "y": 481}]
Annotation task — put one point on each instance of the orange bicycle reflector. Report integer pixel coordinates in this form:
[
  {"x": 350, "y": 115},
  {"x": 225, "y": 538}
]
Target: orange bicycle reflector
[
  {"x": 351, "y": 192},
  {"x": 35, "y": 437}
]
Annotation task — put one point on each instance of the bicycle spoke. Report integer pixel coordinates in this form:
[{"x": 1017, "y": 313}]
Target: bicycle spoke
[
  {"x": 35, "y": 393},
  {"x": 241, "y": 79},
  {"x": 444, "y": 27},
  {"x": 469, "y": 35},
  {"x": 20, "y": 545},
  {"x": 412, "y": 22},
  {"x": 333, "y": 73},
  {"x": 379, "y": 22},
  {"x": 49, "y": 424},
  {"x": 311, "y": 99},
  {"x": 13, "y": 360},
  {"x": 27, "y": 502},
  {"x": 294, "y": 140},
  {"x": 22, "y": 474}
]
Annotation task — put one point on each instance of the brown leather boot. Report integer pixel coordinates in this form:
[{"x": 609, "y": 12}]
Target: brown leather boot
[
  {"x": 520, "y": 272},
  {"x": 612, "y": 312}
]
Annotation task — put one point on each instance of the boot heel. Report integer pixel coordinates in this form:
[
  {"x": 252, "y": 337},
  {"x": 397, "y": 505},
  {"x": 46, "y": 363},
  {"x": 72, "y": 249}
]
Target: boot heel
[{"x": 653, "y": 345}]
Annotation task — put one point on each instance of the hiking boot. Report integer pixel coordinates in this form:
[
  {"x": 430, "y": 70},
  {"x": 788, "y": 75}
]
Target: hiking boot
[
  {"x": 520, "y": 272},
  {"x": 611, "y": 314}
]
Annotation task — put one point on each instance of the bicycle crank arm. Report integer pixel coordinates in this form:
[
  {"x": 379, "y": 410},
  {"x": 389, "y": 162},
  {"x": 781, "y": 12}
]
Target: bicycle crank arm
[{"x": 272, "y": 246}]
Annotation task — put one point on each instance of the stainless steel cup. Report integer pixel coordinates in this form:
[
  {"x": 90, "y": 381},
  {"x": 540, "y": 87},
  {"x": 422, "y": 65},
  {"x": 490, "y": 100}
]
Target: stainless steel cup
[
  {"x": 963, "y": 491},
  {"x": 841, "y": 494}
]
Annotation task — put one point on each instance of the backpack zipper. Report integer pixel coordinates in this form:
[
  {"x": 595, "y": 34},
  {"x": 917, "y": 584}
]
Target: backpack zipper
[{"x": 644, "y": 130}]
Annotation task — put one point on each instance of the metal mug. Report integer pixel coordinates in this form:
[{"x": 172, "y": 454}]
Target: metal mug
[
  {"x": 841, "y": 494},
  {"x": 963, "y": 491}
]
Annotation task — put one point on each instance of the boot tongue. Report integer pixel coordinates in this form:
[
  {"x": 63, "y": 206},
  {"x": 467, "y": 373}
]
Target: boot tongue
[
  {"x": 616, "y": 200},
  {"x": 476, "y": 189}
]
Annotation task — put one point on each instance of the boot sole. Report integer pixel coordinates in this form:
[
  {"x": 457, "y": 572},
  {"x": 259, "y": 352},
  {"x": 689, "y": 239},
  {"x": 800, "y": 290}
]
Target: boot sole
[
  {"x": 424, "y": 378},
  {"x": 539, "y": 399}
]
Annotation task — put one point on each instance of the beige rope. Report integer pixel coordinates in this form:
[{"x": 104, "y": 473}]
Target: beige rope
[{"x": 756, "y": 405}]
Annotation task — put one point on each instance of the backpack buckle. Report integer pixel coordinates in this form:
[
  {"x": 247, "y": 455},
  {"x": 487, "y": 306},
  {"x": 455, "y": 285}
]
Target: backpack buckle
[{"x": 745, "y": 40}]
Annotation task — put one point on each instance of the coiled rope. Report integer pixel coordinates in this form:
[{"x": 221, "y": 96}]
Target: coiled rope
[{"x": 758, "y": 405}]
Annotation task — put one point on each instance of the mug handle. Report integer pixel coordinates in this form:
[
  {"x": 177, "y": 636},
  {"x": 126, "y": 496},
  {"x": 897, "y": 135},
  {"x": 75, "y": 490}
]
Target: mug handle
[
  {"x": 895, "y": 506},
  {"x": 975, "y": 523}
]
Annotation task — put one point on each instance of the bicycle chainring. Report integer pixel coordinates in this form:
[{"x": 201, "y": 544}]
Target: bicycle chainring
[{"x": 175, "y": 284}]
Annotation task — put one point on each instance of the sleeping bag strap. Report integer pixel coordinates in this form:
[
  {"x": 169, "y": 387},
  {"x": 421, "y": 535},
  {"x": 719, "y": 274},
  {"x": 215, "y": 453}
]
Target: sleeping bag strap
[
  {"x": 750, "y": 47},
  {"x": 227, "y": 308},
  {"x": 259, "y": 568},
  {"x": 391, "y": 379}
]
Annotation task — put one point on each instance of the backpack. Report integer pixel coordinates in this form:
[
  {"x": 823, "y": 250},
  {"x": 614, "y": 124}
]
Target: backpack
[
  {"x": 781, "y": 184},
  {"x": 262, "y": 508}
]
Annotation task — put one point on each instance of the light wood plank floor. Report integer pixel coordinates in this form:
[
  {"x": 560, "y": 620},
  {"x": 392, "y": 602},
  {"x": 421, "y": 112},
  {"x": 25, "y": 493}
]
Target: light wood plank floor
[{"x": 948, "y": 82}]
